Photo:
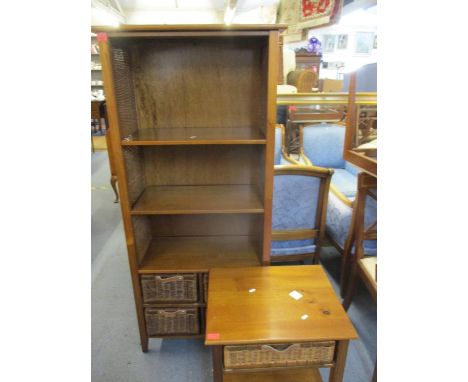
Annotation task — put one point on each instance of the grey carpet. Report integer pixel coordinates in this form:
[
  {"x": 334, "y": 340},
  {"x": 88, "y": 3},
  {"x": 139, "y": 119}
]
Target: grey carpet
[{"x": 116, "y": 352}]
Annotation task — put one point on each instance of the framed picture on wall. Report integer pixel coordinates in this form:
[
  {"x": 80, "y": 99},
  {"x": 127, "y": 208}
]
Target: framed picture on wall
[
  {"x": 342, "y": 41},
  {"x": 364, "y": 43},
  {"x": 329, "y": 43}
]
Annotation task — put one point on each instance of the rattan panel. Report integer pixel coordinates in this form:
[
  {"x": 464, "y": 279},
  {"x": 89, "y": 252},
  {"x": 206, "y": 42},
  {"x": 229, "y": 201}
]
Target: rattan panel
[
  {"x": 124, "y": 92},
  {"x": 135, "y": 170},
  {"x": 142, "y": 234},
  {"x": 172, "y": 321}
]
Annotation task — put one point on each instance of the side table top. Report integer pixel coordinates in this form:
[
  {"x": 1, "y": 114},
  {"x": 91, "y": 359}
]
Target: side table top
[{"x": 274, "y": 305}]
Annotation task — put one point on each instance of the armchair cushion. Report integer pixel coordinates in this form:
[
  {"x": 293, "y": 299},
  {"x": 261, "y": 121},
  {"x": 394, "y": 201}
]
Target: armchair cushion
[
  {"x": 339, "y": 221},
  {"x": 345, "y": 181},
  {"x": 323, "y": 145},
  {"x": 293, "y": 204}
]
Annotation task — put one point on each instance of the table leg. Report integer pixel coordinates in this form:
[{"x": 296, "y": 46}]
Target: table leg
[
  {"x": 337, "y": 371},
  {"x": 217, "y": 364}
]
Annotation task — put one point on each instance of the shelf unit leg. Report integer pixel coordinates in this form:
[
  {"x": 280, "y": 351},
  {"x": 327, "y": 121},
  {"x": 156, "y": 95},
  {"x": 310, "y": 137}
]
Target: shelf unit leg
[
  {"x": 217, "y": 363},
  {"x": 113, "y": 182},
  {"x": 337, "y": 371}
]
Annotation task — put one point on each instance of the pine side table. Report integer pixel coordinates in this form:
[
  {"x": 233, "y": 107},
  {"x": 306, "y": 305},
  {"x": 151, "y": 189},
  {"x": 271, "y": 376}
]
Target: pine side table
[{"x": 275, "y": 324}]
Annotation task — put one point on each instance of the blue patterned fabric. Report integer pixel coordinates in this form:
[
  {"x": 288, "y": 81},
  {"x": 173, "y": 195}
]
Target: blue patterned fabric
[
  {"x": 345, "y": 181},
  {"x": 292, "y": 247},
  {"x": 294, "y": 207},
  {"x": 339, "y": 221},
  {"x": 278, "y": 145},
  {"x": 323, "y": 145},
  {"x": 351, "y": 169}
]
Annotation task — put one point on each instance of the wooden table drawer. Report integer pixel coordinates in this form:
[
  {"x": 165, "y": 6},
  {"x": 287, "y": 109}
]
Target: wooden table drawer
[
  {"x": 169, "y": 288},
  {"x": 278, "y": 355},
  {"x": 172, "y": 321}
]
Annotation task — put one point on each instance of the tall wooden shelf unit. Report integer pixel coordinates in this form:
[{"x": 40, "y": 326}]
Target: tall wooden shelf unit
[{"x": 193, "y": 111}]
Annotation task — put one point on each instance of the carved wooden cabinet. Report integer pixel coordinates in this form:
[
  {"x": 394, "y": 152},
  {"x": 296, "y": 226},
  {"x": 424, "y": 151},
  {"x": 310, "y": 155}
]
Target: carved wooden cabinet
[
  {"x": 192, "y": 110},
  {"x": 309, "y": 61}
]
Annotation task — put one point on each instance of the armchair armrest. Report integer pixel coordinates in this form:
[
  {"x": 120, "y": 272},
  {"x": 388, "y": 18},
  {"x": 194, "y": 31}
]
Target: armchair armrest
[{"x": 341, "y": 196}]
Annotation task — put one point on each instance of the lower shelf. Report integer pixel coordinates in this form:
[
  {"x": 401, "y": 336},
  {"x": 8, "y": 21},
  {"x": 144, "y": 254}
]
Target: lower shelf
[
  {"x": 199, "y": 253},
  {"x": 296, "y": 375}
]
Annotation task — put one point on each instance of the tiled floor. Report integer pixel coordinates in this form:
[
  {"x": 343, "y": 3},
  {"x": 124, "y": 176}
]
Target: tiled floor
[{"x": 116, "y": 352}]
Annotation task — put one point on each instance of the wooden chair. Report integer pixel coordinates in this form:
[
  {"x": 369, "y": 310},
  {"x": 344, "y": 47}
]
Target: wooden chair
[
  {"x": 300, "y": 195},
  {"x": 364, "y": 227}
]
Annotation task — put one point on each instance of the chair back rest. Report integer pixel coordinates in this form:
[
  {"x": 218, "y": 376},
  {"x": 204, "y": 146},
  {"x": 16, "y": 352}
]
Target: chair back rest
[
  {"x": 278, "y": 144},
  {"x": 323, "y": 144},
  {"x": 300, "y": 195}
]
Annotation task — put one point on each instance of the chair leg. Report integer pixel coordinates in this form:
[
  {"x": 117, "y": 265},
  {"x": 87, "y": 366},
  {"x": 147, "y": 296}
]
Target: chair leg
[
  {"x": 374, "y": 375},
  {"x": 351, "y": 288}
]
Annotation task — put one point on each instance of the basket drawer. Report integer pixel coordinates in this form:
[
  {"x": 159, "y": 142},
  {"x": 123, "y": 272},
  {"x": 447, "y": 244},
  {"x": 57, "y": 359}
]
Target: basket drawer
[
  {"x": 259, "y": 356},
  {"x": 169, "y": 287},
  {"x": 205, "y": 286},
  {"x": 172, "y": 321}
]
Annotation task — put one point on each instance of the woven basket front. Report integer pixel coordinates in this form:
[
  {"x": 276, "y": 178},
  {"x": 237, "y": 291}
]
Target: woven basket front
[
  {"x": 259, "y": 356},
  {"x": 205, "y": 286},
  {"x": 172, "y": 321},
  {"x": 172, "y": 287}
]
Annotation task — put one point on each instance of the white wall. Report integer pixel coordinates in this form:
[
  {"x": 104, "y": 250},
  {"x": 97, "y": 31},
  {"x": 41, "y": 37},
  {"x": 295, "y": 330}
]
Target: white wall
[{"x": 363, "y": 21}]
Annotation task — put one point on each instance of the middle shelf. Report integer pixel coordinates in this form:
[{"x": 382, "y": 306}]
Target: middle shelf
[
  {"x": 195, "y": 136},
  {"x": 165, "y": 200}
]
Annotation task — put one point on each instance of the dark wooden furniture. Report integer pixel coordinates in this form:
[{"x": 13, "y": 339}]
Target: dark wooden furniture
[
  {"x": 362, "y": 158},
  {"x": 192, "y": 110},
  {"x": 96, "y": 115},
  {"x": 271, "y": 314},
  {"x": 309, "y": 61}
]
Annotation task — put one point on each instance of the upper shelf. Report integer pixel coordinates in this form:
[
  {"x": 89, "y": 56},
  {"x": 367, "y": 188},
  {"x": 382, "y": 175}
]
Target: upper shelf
[
  {"x": 195, "y": 136},
  {"x": 168, "y": 200}
]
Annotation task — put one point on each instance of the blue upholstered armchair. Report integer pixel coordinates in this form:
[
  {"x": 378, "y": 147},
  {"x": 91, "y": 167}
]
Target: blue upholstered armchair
[
  {"x": 300, "y": 196},
  {"x": 322, "y": 145}
]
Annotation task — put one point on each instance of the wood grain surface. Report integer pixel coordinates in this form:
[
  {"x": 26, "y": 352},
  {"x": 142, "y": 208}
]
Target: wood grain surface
[{"x": 254, "y": 305}]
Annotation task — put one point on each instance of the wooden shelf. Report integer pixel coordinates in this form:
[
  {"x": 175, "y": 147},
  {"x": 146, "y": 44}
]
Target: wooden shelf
[
  {"x": 195, "y": 136},
  {"x": 165, "y": 200},
  {"x": 198, "y": 253}
]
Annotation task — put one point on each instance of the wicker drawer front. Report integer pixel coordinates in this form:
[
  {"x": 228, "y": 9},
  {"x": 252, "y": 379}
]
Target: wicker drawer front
[
  {"x": 259, "y": 356},
  {"x": 172, "y": 321},
  {"x": 164, "y": 288},
  {"x": 205, "y": 286}
]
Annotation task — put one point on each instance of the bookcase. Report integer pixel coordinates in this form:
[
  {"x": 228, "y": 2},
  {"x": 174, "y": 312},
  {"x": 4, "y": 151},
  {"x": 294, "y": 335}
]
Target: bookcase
[{"x": 192, "y": 110}]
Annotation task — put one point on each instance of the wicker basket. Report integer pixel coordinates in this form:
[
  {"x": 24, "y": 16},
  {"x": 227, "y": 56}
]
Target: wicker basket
[
  {"x": 171, "y": 287},
  {"x": 172, "y": 321},
  {"x": 205, "y": 286},
  {"x": 260, "y": 356}
]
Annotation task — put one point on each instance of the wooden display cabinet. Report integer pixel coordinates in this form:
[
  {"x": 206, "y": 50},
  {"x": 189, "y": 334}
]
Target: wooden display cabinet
[
  {"x": 361, "y": 127},
  {"x": 192, "y": 110}
]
